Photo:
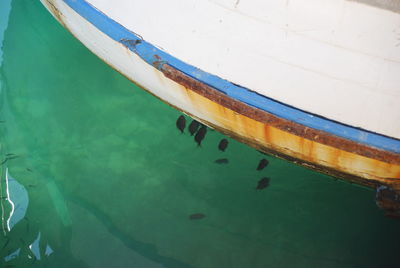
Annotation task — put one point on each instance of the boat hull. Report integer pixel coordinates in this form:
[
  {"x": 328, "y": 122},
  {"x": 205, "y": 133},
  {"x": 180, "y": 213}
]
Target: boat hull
[{"x": 265, "y": 131}]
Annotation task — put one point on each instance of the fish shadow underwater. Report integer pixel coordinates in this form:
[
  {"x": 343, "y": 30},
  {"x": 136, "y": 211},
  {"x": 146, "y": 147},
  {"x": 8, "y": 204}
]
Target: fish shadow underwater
[{"x": 199, "y": 131}]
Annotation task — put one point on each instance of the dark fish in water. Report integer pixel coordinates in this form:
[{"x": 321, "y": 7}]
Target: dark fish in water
[
  {"x": 197, "y": 216},
  {"x": 222, "y": 161},
  {"x": 263, "y": 183},
  {"x": 263, "y": 163},
  {"x": 180, "y": 123},
  {"x": 193, "y": 127},
  {"x": 200, "y": 135},
  {"x": 28, "y": 169},
  {"x": 223, "y": 144}
]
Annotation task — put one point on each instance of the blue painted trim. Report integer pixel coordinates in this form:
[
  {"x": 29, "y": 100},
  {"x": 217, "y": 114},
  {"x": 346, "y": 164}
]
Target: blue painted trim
[{"x": 148, "y": 51}]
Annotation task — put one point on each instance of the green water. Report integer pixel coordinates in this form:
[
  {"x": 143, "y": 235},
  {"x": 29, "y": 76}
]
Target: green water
[{"x": 104, "y": 179}]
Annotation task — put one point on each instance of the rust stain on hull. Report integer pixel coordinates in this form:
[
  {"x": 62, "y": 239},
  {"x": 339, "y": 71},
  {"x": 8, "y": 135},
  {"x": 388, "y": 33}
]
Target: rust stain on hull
[
  {"x": 54, "y": 11},
  {"x": 299, "y": 144},
  {"x": 277, "y": 122},
  {"x": 285, "y": 139}
]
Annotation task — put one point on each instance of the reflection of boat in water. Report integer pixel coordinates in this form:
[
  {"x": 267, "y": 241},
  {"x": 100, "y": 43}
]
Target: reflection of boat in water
[
  {"x": 314, "y": 82},
  {"x": 17, "y": 199}
]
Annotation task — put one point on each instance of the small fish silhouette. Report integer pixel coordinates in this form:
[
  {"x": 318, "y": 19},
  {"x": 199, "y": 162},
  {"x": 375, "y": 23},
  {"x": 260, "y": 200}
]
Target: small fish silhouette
[
  {"x": 197, "y": 216},
  {"x": 200, "y": 135},
  {"x": 263, "y": 163},
  {"x": 193, "y": 127},
  {"x": 222, "y": 145},
  {"x": 222, "y": 161},
  {"x": 180, "y": 123},
  {"x": 263, "y": 183}
]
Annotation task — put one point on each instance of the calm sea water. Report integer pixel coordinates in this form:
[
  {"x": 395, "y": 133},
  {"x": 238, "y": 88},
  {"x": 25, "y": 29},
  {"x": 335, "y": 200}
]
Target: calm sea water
[{"x": 98, "y": 176}]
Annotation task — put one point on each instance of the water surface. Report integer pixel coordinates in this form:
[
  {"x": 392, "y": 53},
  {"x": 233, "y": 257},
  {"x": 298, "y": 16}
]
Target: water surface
[{"x": 97, "y": 175}]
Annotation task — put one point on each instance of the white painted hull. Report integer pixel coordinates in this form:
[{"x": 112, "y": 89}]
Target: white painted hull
[
  {"x": 320, "y": 76},
  {"x": 336, "y": 58}
]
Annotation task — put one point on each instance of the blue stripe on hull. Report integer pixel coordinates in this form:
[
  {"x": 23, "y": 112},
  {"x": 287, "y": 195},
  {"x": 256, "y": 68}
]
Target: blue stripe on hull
[{"x": 150, "y": 54}]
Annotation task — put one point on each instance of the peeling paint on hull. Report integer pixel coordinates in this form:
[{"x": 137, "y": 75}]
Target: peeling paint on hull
[
  {"x": 285, "y": 144},
  {"x": 311, "y": 148}
]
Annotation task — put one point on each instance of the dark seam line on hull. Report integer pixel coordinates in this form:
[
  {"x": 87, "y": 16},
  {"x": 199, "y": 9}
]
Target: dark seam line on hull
[
  {"x": 149, "y": 53},
  {"x": 274, "y": 121}
]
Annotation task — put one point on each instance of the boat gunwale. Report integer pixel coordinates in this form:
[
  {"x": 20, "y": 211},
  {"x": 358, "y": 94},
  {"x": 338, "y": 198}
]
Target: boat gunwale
[{"x": 384, "y": 147}]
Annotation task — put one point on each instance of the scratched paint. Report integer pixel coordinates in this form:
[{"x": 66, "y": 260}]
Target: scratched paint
[
  {"x": 372, "y": 170},
  {"x": 295, "y": 146}
]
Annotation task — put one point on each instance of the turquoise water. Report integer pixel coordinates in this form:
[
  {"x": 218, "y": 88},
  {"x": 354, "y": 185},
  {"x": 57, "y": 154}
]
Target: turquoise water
[{"x": 98, "y": 176}]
